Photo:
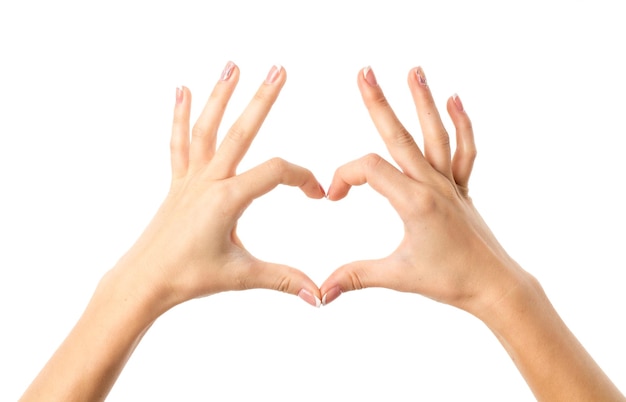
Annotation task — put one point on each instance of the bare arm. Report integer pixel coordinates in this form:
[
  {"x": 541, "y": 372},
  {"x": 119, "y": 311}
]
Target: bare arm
[
  {"x": 449, "y": 254},
  {"x": 189, "y": 250}
]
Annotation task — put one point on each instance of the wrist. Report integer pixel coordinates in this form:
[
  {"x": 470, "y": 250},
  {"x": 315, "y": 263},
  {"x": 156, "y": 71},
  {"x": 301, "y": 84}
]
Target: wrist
[
  {"x": 519, "y": 292},
  {"x": 134, "y": 287}
]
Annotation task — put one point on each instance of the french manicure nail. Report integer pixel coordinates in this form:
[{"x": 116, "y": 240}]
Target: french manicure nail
[
  {"x": 228, "y": 70},
  {"x": 331, "y": 295},
  {"x": 457, "y": 102},
  {"x": 369, "y": 76},
  {"x": 273, "y": 74},
  {"x": 179, "y": 95},
  {"x": 328, "y": 193},
  {"x": 310, "y": 298},
  {"x": 421, "y": 77}
]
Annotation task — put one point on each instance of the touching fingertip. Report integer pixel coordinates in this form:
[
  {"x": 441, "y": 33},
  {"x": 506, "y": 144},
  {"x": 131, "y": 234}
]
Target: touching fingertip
[
  {"x": 322, "y": 190},
  {"x": 328, "y": 193},
  {"x": 309, "y": 298},
  {"x": 331, "y": 295}
]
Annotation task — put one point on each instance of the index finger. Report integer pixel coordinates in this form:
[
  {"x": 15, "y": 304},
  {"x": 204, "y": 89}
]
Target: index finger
[
  {"x": 240, "y": 136},
  {"x": 265, "y": 177},
  {"x": 398, "y": 140}
]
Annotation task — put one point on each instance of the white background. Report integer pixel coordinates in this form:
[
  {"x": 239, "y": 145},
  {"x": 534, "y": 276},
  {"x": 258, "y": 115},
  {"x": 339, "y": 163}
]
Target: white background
[{"x": 86, "y": 97}]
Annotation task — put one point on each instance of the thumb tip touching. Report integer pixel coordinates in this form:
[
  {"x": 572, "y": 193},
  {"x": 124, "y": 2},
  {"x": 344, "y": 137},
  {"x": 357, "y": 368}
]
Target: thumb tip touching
[
  {"x": 310, "y": 298},
  {"x": 332, "y": 294}
]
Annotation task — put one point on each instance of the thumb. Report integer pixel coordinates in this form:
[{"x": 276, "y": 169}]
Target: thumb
[
  {"x": 286, "y": 279},
  {"x": 355, "y": 276}
]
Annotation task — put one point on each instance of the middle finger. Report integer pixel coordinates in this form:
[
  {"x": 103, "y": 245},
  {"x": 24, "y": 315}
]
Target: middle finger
[
  {"x": 398, "y": 140},
  {"x": 240, "y": 136}
]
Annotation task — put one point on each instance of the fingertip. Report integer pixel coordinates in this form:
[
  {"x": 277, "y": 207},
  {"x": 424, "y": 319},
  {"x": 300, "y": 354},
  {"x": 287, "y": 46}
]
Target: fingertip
[
  {"x": 332, "y": 294},
  {"x": 227, "y": 72},
  {"x": 309, "y": 297},
  {"x": 183, "y": 95},
  {"x": 458, "y": 104},
  {"x": 277, "y": 74},
  {"x": 322, "y": 192},
  {"x": 366, "y": 80},
  {"x": 311, "y": 187},
  {"x": 337, "y": 191}
]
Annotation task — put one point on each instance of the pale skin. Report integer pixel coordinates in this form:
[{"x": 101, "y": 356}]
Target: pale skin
[{"x": 191, "y": 248}]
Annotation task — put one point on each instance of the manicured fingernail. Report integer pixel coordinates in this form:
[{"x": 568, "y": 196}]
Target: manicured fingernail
[
  {"x": 309, "y": 298},
  {"x": 179, "y": 95},
  {"x": 457, "y": 102},
  {"x": 421, "y": 77},
  {"x": 328, "y": 192},
  {"x": 272, "y": 76},
  {"x": 331, "y": 295},
  {"x": 228, "y": 70},
  {"x": 369, "y": 76}
]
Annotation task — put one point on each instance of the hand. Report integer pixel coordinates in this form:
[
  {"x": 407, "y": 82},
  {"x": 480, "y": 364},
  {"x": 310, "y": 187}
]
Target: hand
[
  {"x": 448, "y": 253},
  {"x": 191, "y": 248}
]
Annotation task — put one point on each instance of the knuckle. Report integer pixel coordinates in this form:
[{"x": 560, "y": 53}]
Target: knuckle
[
  {"x": 377, "y": 99},
  {"x": 198, "y": 131},
  {"x": 372, "y": 161},
  {"x": 466, "y": 125},
  {"x": 282, "y": 284},
  {"x": 354, "y": 278},
  {"x": 263, "y": 96},
  {"x": 420, "y": 202},
  {"x": 226, "y": 197},
  {"x": 466, "y": 154},
  {"x": 443, "y": 138},
  {"x": 177, "y": 144},
  {"x": 470, "y": 152},
  {"x": 236, "y": 133},
  {"x": 277, "y": 165},
  {"x": 402, "y": 137},
  {"x": 218, "y": 100}
]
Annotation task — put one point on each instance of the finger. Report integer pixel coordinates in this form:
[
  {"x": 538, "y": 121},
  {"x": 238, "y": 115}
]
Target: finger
[
  {"x": 204, "y": 132},
  {"x": 436, "y": 139},
  {"x": 381, "y": 176},
  {"x": 263, "y": 178},
  {"x": 265, "y": 275},
  {"x": 240, "y": 136},
  {"x": 179, "y": 142},
  {"x": 355, "y": 276},
  {"x": 399, "y": 142},
  {"x": 465, "y": 153}
]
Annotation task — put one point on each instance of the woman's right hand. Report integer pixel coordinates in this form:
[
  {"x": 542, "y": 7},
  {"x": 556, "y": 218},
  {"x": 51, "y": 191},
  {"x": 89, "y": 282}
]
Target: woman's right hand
[{"x": 191, "y": 247}]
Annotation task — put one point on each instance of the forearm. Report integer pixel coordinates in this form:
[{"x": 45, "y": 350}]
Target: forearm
[
  {"x": 88, "y": 362},
  {"x": 550, "y": 358}
]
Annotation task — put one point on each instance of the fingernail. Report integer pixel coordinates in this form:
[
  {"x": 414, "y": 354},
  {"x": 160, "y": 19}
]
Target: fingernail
[
  {"x": 421, "y": 77},
  {"x": 457, "y": 102},
  {"x": 179, "y": 95},
  {"x": 369, "y": 76},
  {"x": 310, "y": 298},
  {"x": 331, "y": 295},
  {"x": 273, "y": 74},
  {"x": 228, "y": 70}
]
